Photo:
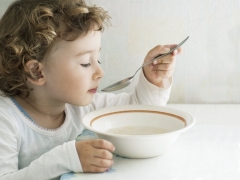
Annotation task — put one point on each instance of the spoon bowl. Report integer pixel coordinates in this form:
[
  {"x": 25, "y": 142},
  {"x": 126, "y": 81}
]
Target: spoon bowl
[
  {"x": 125, "y": 82},
  {"x": 119, "y": 85}
]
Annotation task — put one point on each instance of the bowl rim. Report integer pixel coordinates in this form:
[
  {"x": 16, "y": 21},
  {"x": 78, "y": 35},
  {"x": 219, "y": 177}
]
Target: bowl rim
[{"x": 188, "y": 123}]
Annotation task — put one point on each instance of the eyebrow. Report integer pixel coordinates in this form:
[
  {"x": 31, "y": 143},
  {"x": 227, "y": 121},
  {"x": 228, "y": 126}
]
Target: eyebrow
[{"x": 81, "y": 53}]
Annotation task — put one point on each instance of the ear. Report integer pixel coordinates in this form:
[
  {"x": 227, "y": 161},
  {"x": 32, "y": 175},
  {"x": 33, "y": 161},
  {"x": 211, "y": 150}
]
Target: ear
[{"x": 35, "y": 69}]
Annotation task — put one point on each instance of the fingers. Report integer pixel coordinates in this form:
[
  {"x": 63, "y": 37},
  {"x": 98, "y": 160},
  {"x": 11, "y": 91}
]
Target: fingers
[
  {"x": 162, "y": 73},
  {"x": 163, "y": 70},
  {"x": 102, "y": 153},
  {"x": 157, "y": 51},
  {"x": 176, "y": 51},
  {"x": 103, "y": 144},
  {"x": 96, "y": 169},
  {"x": 103, "y": 163},
  {"x": 167, "y": 59},
  {"x": 162, "y": 50},
  {"x": 99, "y": 165},
  {"x": 163, "y": 66}
]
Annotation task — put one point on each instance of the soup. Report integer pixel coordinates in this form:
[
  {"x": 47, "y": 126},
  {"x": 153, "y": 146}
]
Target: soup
[{"x": 136, "y": 130}]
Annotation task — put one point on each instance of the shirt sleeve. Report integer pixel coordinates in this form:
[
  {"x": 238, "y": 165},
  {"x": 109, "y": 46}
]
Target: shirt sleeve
[
  {"x": 50, "y": 165},
  {"x": 144, "y": 93}
]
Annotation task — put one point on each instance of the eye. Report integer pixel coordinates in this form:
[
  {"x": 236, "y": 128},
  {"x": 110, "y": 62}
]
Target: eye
[
  {"x": 99, "y": 62},
  {"x": 86, "y": 65}
]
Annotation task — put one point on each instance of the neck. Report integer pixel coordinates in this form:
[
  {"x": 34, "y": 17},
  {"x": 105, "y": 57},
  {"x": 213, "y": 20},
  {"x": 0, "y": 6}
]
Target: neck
[
  {"x": 45, "y": 114},
  {"x": 45, "y": 110}
]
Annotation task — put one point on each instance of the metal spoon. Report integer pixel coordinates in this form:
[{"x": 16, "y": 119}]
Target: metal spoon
[{"x": 125, "y": 82}]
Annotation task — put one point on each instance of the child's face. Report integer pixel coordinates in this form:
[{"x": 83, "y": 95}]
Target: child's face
[{"x": 72, "y": 69}]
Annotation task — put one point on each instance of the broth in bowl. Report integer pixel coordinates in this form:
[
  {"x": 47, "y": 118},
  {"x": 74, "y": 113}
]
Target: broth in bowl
[{"x": 136, "y": 130}]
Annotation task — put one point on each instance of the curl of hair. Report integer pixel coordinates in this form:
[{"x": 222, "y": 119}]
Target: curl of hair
[{"x": 29, "y": 27}]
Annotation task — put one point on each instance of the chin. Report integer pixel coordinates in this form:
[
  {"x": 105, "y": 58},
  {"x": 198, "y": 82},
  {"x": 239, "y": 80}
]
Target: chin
[
  {"x": 84, "y": 102},
  {"x": 81, "y": 101}
]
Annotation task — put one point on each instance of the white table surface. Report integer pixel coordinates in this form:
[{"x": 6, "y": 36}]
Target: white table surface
[{"x": 210, "y": 150}]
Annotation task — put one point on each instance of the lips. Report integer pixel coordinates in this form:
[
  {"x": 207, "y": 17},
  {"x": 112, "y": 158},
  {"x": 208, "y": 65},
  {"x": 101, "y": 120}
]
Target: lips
[{"x": 92, "y": 90}]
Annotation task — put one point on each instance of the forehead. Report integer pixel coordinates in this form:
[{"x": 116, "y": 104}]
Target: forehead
[
  {"x": 90, "y": 41},
  {"x": 86, "y": 41}
]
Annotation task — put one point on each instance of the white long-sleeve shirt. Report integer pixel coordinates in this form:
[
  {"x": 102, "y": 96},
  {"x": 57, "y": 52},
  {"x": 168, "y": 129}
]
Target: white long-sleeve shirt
[{"x": 31, "y": 152}]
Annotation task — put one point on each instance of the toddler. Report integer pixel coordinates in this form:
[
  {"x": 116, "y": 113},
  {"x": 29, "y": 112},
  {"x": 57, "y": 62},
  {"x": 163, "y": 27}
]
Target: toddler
[{"x": 49, "y": 74}]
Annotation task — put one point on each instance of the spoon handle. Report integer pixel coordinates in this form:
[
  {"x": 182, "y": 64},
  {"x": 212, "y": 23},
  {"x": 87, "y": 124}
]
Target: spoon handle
[{"x": 162, "y": 55}]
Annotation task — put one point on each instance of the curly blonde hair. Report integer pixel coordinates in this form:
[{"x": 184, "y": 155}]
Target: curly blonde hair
[{"x": 29, "y": 27}]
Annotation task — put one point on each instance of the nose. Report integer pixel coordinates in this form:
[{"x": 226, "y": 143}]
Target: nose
[{"x": 98, "y": 72}]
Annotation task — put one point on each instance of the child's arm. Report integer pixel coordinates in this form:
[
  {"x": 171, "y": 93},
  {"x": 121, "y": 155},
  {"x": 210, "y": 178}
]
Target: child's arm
[
  {"x": 52, "y": 164},
  {"x": 151, "y": 89}
]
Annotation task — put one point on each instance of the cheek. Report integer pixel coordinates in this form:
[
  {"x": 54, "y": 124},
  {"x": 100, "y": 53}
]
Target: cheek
[
  {"x": 75, "y": 80},
  {"x": 66, "y": 72},
  {"x": 69, "y": 76}
]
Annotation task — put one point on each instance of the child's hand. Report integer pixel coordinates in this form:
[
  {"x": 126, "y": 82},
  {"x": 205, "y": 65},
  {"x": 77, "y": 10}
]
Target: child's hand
[
  {"x": 95, "y": 155},
  {"x": 161, "y": 68}
]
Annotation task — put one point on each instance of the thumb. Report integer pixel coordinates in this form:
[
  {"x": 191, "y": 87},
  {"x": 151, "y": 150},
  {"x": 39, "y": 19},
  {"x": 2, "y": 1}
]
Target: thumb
[{"x": 157, "y": 51}]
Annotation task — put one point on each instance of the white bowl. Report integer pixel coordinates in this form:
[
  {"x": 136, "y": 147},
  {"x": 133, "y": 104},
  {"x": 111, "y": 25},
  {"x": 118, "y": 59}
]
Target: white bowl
[{"x": 140, "y": 119}]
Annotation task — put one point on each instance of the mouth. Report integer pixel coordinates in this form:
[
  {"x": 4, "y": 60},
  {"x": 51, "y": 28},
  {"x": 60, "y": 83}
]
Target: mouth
[{"x": 92, "y": 90}]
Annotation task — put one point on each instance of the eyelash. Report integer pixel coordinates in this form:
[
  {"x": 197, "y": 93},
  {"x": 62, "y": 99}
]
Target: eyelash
[
  {"x": 88, "y": 64},
  {"x": 85, "y": 65}
]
